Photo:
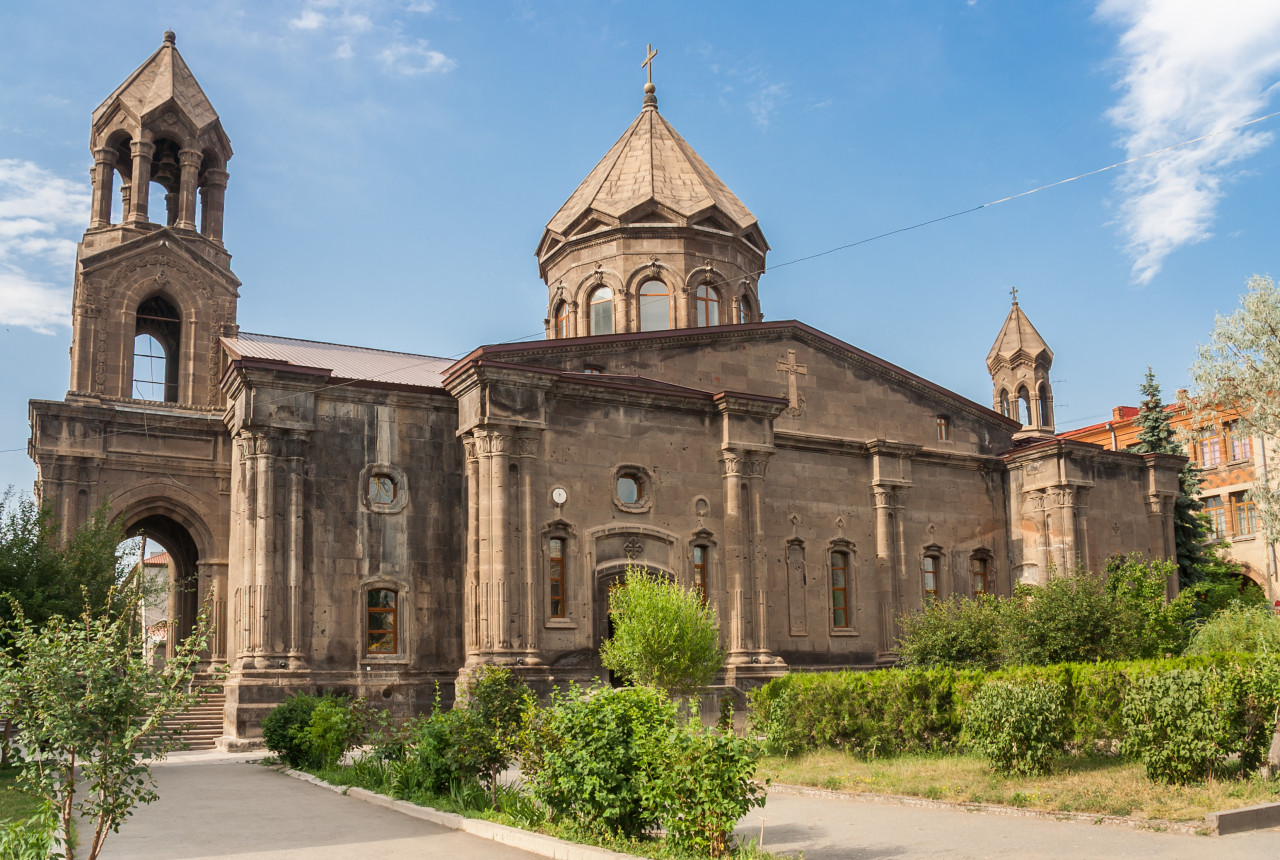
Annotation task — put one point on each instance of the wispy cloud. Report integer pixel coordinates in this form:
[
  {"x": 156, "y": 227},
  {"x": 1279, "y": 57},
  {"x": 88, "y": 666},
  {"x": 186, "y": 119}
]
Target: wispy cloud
[
  {"x": 1189, "y": 68},
  {"x": 40, "y": 212},
  {"x": 745, "y": 82},
  {"x": 372, "y": 29}
]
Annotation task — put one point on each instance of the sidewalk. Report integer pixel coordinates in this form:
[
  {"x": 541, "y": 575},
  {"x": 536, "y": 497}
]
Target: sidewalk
[{"x": 825, "y": 829}]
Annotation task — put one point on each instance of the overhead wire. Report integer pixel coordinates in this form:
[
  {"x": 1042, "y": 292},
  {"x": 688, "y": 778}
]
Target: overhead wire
[{"x": 916, "y": 226}]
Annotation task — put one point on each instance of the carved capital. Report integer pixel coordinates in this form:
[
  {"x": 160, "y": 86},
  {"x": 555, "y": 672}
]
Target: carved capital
[
  {"x": 527, "y": 445},
  {"x": 747, "y": 465},
  {"x": 469, "y": 446},
  {"x": 259, "y": 444},
  {"x": 190, "y": 157},
  {"x": 889, "y": 495},
  {"x": 106, "y": 155},
  {"x": 294, "y": 446},
  {"x": 214, "y": 178},
  {"x": 142, "y": 148}
]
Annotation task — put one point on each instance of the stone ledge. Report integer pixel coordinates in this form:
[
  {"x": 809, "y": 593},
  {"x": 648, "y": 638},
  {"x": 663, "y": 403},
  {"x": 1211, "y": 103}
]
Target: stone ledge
[
  {"x": 1259, "y": 817},
  {"x": 525, "y": 840}
]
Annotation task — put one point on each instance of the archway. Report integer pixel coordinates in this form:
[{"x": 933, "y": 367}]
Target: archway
[
  {"x": 608, "y": 578},
  {"x": 163, "y": 559}
]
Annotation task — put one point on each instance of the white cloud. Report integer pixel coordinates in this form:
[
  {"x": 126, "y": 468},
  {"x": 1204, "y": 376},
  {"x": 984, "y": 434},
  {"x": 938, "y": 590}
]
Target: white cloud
[
  {"x": 309, "y": 19},
  {"x": 414, "y": 58},
  {"x": 1189, "y": 68},
  {"x": 40, "y": 212}
]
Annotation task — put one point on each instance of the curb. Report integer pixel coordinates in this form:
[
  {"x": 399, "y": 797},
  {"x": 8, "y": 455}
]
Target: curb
[
  {"x": 1261, "y": 817},
  {"x": 525, "y": 840},
  {"x": 996, "y": 809}
]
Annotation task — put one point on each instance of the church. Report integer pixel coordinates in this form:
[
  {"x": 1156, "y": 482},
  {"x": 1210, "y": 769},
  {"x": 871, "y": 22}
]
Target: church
[{"x": 379, "y": 523}]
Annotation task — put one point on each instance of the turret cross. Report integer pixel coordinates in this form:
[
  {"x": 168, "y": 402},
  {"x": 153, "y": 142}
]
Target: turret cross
[
  {"x": 1013, "y": 291},
  {"x": 648, "y": 62}
]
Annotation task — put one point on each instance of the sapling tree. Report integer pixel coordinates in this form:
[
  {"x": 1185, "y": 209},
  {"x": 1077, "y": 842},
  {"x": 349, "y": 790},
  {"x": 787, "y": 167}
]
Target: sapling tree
[{"x": 92, "y": 714}]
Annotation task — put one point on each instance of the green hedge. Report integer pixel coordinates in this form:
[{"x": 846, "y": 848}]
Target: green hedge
[{"x": 893, "y": 711}]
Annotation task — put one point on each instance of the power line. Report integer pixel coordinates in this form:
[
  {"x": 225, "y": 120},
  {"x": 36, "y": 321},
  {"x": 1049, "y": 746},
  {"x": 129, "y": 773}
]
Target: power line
[{"x": 803, "y": 259}]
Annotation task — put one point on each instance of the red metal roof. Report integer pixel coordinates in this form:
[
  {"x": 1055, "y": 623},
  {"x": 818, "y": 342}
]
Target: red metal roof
[{"x": 343, "y": 362}]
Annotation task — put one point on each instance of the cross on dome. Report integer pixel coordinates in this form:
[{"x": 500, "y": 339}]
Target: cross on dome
[{"x": 650, "y": 100}]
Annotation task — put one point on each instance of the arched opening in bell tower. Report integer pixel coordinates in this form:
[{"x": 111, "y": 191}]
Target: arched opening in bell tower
[
  {"x": 160, "y": 561},
  {"x": 156, "y": 348}
]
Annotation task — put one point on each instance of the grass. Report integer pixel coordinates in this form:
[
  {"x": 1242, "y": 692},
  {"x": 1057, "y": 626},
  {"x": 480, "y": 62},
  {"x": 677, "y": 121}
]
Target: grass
[
  {"x": 14, "y": 803},
  {"x": 1093, "y": 784}
]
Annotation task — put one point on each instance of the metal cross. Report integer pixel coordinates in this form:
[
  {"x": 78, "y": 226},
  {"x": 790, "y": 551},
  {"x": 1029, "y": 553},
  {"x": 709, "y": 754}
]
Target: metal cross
[
  {"x": 648, "y": 62},
  {"x": 1013, "y": 291}
]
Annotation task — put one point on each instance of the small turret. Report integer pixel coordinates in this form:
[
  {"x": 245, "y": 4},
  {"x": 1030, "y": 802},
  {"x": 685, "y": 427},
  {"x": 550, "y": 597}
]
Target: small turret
[{"x": 1019, "y": 363}]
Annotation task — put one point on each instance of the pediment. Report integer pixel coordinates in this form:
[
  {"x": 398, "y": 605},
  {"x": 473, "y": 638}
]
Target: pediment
[{"x": 144, "y": 251}]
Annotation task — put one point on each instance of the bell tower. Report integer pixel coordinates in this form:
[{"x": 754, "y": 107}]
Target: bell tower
[
  {"x": 153, "y": 285},
  {"x": 1019, "y": 363},
  {"x": 651, "y": 240}
]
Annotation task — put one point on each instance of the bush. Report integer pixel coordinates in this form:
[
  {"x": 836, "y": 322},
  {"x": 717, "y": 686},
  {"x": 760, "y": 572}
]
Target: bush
[
  {"x": 335, "y": 727},
  {"x": 960, "y": 632},
  {"x": 1016, "y": 726},
  {"x": 482, "y": 732},
  {"x": 1069, "y": 619},
  {"x": 588, "y": 755},
  {"x": 282, "y": 726},
  {"x": 665, "y": 636},
  {"x": 1240, "y": 627},
  {"x": 1171, "y": 727}
]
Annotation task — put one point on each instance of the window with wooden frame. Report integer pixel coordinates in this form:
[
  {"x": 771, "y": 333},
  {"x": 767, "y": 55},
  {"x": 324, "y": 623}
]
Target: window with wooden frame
[
  {"x": 1210, "y": 449},
  {"x": 708, "y": 306},
  {"x": 655, "y": 306},
  {"x": 562, "y": 320},
  {"x": 1237, "y": 441},
  {"x": 980, "y": 574},
  {"x": 931, "y": 564},
  {"x": 744, "y": 310},
  {"x": 700, "y": 571},
  {"x": 840, "y": 590},
  {"x": 944, "y": 428},
  {"x": 382, "y": 630},
  {"x": 1216, "y": 511},
  {"x": 555, "y": 577},
  {"x": 600, "y": 311},
  {"x": 1244, "y": 515}
]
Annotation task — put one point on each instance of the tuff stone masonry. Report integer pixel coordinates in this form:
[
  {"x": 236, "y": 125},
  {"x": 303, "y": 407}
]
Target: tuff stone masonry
[{"x": 377, "y": 522}]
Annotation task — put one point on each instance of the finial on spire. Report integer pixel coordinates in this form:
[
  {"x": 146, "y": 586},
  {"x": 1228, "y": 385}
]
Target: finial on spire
[
  {"x": 650, "y": 100},
  {"x": 170, "y": 37},
  {"x": 1013, "y": 291}
]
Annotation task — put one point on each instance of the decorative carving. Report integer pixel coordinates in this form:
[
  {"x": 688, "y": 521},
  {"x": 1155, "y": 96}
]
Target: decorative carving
[
  {"x": 792, "y": 370},
  {"x": 889, "y": 496},
  {"x": 527, "y": 445},
  {"x": 633, "y": 548},
  {"x": 469, "y": 445},
  {"x": 750, "y": 466}
]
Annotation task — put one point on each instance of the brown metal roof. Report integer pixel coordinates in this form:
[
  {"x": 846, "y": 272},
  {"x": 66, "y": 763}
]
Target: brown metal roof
[{"x": 343, "y": 362}]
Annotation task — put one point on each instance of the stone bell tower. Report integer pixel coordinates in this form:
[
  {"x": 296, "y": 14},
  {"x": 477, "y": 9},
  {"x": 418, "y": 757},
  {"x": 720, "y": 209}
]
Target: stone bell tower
[
  {"x": 153, "y": 287},
  {"x": 652, "y": 239},
  {"x": 1019, "y": 363}
]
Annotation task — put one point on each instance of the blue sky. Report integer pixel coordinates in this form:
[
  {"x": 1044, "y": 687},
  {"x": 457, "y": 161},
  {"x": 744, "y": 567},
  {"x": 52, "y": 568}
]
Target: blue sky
[{"x": 396, "y": 163}]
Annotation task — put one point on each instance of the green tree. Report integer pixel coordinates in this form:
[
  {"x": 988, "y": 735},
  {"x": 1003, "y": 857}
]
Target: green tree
[
  {"x": 1239, "y": 371},
  {"x": 665, "y": 636},
  {"x": 1190, "y": 530},
  {"x": 91, "y": 712},
  {"x": 962, "y": 632}
]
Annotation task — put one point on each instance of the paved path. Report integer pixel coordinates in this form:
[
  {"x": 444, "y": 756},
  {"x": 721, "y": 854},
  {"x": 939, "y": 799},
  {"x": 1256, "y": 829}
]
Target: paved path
[
  {"x": 825, "y": 829},
  {"x": 214, "y": 806}
]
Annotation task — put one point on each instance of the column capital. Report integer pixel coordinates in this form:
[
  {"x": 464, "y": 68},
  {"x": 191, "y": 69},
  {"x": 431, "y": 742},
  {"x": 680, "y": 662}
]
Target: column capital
[
  {"x": 106, "y": 155},
  {"x": 190, "y": 157},
  {"x": 745, "y": 464},
  {"x": 215, "y": 178},
  {"x": 890, "y": 495},
  {"x": 142, "y": 148}
]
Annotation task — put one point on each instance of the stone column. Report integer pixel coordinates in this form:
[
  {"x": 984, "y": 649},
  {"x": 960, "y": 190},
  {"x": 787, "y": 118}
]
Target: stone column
[
  {"x": 189, "y": 159},
  {"x": 264, "y": 457},
  {"x": 295, "y": 451},
  {"x": 735, "y": 560},
  {"x": 888, "y": 500},
  {"x": 215, "y": 190},
  {"x": 1065, "y": 513},
  {"x": 527, "y": 448},
  {"x": 104, "y": 174},
  {"x": 757, "y": 465},
  {"x": 141, "y": 150},
  {"x": 470, "y": 588}
]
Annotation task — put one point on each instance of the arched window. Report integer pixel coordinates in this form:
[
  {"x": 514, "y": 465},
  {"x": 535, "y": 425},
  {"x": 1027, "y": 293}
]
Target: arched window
[
  {"x": 700, "y": 571},
  {"x": 1004, "y": 404},
  {"x": 1046, "y": 417},
  {"x": 840, "y": 590},
  {"x": 744, "y": 309},
  {"x": 1024, "y": 400},
  {"x": 600, "y": 311},
  {"x": 980, "y": 574},
  {"x": 555, "y": 577},
  {"x": 708, "y": 306},
  {"x": 562, "y": 319},
  {"x": 381, "y": 634},
  {"x": 655, "y": 306},
  {"x": 157, "y": 336},
  {"x": 932, "y": 562}
]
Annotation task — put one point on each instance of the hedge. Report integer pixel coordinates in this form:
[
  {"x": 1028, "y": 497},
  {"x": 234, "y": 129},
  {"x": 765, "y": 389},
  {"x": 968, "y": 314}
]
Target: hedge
[{"x": 894, "y": 711}]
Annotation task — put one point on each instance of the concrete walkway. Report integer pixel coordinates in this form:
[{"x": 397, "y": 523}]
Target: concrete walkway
[
  {"x": 825, "y": 829},
  {"x": 215, "y": 806}
]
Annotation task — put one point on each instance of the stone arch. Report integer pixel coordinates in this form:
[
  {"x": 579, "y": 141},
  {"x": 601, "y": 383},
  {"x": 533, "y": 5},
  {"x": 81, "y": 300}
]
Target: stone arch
[{"x": 601, "y": 277}]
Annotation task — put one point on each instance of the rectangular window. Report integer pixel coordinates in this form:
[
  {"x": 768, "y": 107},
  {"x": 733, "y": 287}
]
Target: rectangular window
[
  {"x": 700, "y": 571},
  {"x": 1238, "y": 442},
  {"x": 931, "y": 575},
  {"x": 1210, "y": 451},
  {"x": 381, "y": 635},
  {"x": 1245, "y": 515},
  {"x": 556, "y": 577},
  {"x": 978, "y": 573},
  {"x": 839, "y": 590},
  {"x": 944, "y": 428},
  {"x": 1217, "y": 514}
]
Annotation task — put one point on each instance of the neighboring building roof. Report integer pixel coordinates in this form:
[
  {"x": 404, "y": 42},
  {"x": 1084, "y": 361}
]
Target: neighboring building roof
[
  {"x": 342, "y": 362},
  {"x": 651, "y": 161},
  {"x": 160, "y": 559},
  {"x": 163, "y": 77},
  {"x": 1018, "y": 334}
]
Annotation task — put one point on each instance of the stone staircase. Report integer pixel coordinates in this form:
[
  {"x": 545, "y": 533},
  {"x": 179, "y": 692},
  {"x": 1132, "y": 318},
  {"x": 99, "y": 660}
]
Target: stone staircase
[{"x": 204, "y": 721}]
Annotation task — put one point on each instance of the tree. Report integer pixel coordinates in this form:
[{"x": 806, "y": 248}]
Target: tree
[
  {"x": 1190, "y": 531},
  {"x": 1239, "y": 371},
  {"x": 665, "y": 636},
  {"x": 91, "y": 711}
]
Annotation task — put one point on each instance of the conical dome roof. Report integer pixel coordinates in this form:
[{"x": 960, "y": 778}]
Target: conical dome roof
[
  {"x": 1017, "y": 335},
  {"x": 651, "y": 163},
  {"x": 163, "y": 80}
]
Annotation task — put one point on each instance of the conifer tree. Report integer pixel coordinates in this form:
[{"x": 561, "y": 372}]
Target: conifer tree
[{"x": 1190, "y": 531}]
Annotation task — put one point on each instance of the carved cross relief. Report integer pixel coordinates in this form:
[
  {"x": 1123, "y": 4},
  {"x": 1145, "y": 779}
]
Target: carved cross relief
[{"x": 792, "y": 370}]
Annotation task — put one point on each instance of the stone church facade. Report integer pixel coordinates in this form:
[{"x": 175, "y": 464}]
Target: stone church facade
[{"x": 381, "y": 522}]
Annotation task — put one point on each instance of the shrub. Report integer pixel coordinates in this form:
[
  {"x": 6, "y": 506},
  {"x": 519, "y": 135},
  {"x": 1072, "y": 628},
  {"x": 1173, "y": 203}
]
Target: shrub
[
  {"x": 335, "y": 727},
  {"x": 1069, "y": 619},
  {"x": 1171, "y": 727},
  {"x": 587, "y": 756},
  {"x": 1016, "y": 726},
  {"x": 282, "y": 726},
  {"x": 1241, "y": 627},
  {"x": 959, "y": 632},
  {"x": 1146, "y": 625},
  {"x": 482, "y": 732},
  {"x": 699, "y": 783},
  {"x": 664, "y": 636}
]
